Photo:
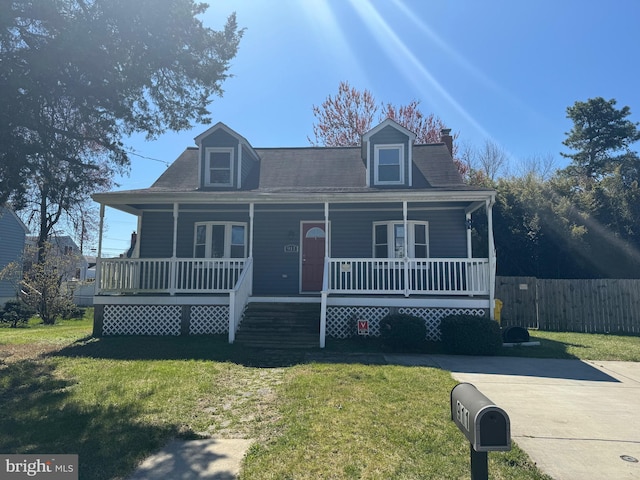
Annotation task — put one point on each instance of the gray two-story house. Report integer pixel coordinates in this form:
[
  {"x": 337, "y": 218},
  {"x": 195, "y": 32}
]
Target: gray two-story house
[
  {"x": 12, "y": 242},
  {"x": 358, "y": 231}
]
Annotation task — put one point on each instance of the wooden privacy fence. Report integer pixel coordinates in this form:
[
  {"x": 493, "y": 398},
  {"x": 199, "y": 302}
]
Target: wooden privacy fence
[{"x": 590, "y": 306}]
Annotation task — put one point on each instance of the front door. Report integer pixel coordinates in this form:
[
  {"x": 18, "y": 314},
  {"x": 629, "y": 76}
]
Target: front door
[{"x": 312, "y": 257}]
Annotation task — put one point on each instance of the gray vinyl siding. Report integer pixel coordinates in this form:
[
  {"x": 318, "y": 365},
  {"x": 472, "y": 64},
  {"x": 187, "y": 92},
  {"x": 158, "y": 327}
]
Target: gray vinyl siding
[
  {"x": 248, "y": 162},
  {"x": 187, "y": 221},
  {"x": 389, "y": 135},
  {"x": 352, "y": 232},
  {"x": 156, "y": 239},
  {"x": 12, "y": 240},
  {"x": 277, "y": 272},
  {"x": 156, "y": 235}
]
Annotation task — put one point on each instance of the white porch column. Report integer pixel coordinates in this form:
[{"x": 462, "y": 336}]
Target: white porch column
[
  {"x": 173, "y": 263},
  {"x": 98, "y": 266},
  {"x": 468, "y": 227},
  {"x": 175, "y": 229},
  {"x": 492, "y": 258},
  {"x": 326, "y": 229},
  {"x": 324, "y": 293},
  {"x": 251, "y": 214},
  {"x": 405, "y": 214}
]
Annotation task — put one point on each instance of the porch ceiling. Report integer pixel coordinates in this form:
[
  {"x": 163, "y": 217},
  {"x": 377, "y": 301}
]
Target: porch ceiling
[{"x": 135, "y": 202}]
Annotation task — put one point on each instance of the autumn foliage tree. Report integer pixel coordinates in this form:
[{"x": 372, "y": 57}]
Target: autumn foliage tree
[{"x": 342, "y": 119}]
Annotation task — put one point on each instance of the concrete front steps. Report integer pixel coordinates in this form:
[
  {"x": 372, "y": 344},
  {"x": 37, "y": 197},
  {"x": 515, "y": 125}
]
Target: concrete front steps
[{"x": 280, "y": 326}]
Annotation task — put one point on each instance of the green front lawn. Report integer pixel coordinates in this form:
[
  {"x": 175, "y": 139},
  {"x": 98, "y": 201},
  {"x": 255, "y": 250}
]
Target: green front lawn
[
  {"x": 585, "y": 346},
  {"x": 115, "y": 400}
]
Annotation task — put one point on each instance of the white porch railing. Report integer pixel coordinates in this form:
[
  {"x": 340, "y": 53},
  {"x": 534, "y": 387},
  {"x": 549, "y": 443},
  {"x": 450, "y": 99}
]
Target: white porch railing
[
  {"x": 238, "y": 298},
  {"x": 429, "y": 276},
  {"x": 168, "y": 275}
]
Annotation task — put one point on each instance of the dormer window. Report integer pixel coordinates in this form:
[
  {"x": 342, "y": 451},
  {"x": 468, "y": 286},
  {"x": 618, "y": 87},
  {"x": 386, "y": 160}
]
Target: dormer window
[
  {"x": 389, "y": 164},
  {"x": 219, "y": 167}
]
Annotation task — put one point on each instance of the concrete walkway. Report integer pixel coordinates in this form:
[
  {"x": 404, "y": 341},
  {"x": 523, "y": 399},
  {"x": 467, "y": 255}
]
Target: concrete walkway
[
  {"x": 210, "y": 459},
  {"x": 578, "y": 420}
]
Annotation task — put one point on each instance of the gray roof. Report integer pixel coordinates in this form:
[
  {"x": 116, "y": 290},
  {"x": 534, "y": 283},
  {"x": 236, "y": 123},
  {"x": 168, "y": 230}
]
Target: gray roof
[{"x": 316, "y": 169}]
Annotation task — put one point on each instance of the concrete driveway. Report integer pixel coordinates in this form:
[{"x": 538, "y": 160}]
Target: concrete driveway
[{"x": 578, "y": 420}]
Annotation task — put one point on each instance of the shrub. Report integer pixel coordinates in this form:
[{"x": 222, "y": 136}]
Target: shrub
[
  {"x": 71, "y": 310},
  {"x": 403, "y": 332},
  {"x": 16, "y": 311},
  {"x": 470, "y": 335}
]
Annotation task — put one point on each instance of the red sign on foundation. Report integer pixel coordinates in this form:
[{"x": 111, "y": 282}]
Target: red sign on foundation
[{"x": 363, "y": 327}]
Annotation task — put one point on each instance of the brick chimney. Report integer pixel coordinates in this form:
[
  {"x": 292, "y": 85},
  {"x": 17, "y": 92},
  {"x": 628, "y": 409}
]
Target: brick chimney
[
  {"x": 447, "y": 139},
  {"x": 134, "y": 240}
]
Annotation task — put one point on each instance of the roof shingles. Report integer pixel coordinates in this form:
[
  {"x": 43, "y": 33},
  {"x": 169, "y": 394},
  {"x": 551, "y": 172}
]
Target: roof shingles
[{"x": 317, "y": 169}]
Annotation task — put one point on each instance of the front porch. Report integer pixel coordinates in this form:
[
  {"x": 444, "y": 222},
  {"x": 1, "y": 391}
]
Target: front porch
[
  {"x": 357, "y": 276},
  {"x": 186, "y": 296}
]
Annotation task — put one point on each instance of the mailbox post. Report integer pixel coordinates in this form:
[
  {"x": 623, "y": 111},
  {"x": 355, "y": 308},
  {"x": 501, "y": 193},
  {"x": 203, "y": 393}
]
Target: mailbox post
[{"x": 485, "y": 425}]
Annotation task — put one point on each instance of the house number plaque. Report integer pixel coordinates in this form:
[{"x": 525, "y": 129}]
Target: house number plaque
[{"x": 291, "y": 249}]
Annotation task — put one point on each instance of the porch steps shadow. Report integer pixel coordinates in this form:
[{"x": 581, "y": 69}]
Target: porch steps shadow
[{"x": 280, "y": 326}]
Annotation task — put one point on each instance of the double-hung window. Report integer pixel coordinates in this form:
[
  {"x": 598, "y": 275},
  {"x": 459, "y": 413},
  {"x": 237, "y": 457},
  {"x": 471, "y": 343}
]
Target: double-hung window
[
  {"x": 389, "y": 239},
  {"x": 219, "y": 167},
  {"x": 220, "y": 240},
  {"x": 389, "y": 164}
]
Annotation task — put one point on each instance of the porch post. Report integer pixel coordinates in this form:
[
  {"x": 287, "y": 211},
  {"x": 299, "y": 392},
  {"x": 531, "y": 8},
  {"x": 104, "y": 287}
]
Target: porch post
[
  {"x": 175, "y": 229},
  {"x": 468, "y": 227},
  {"x": 326, "y": 229},
  {"x": 98, "y": 283},
  {"x": 492, "y": 258},
  {"x": 405, "y": 213},
  {"x": 325, "y": 277},
  {"x": 251, "y": 214},
  {"x": 172, "y": 264}
]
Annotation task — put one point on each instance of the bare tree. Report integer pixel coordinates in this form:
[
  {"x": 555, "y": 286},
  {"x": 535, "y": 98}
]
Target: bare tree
[
  {"x": 542, "y": 166},
  {"x": 490, "y": 160}
]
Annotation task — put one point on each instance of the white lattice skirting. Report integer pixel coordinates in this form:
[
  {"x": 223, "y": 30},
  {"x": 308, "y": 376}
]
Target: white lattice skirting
[
  {"x": 209, "y": 319},
  {"x": 141, "y": 320},
  {"x": 341, "y": 321}
]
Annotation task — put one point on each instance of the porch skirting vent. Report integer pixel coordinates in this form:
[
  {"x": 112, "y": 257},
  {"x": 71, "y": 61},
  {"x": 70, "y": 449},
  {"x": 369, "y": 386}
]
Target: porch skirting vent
[
  {"x": 341, "y": 321},
  {"x": 165, "y": 319},
  {"x": 141, "y": 320},
  {"x": 209, "y": 319}
]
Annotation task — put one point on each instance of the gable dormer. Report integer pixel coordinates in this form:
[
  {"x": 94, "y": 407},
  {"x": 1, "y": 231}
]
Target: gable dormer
[
  {"x": 226, "y": 158},
  {"x": 387, "y": 150}
]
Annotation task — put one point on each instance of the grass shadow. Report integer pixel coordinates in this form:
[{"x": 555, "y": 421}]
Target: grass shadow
[
  {"x": 194, "y": 347},
  {"x": 369, "y": 351},
  {"x": 39, "y": 415},
  {"x": 547, "y": 349}
]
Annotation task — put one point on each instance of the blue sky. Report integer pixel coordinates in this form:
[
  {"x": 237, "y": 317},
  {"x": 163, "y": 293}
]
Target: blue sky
[{"x": 502, "y": 70}]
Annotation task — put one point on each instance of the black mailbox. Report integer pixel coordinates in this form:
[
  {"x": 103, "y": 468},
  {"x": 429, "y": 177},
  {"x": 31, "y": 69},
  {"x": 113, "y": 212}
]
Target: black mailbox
[{"x": 485, "y": 425}]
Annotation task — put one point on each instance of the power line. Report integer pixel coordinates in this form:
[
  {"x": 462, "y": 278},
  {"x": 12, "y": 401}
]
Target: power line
[{"x": 148, "y": 158}]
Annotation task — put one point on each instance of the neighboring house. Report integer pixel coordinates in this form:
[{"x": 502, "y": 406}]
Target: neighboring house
[
  {"x": 64, "y": 245},
  {"x": 361, "y": 231},
  {"x": 12, "y": 240}
]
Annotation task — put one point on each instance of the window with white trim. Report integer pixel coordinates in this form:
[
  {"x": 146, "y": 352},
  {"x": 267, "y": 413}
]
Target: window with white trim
[
  {"x": 220, "y": 240},
  {"x": 389, "y": 239},
  {"x": 218, "y": 167},
  {"x": 389, "y": 164}
]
